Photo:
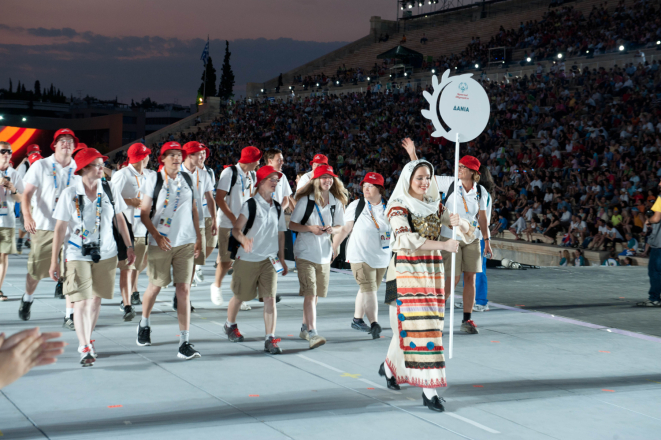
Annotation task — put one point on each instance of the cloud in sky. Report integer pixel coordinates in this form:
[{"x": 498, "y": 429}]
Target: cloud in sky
[{"x": 133, "y": 67}]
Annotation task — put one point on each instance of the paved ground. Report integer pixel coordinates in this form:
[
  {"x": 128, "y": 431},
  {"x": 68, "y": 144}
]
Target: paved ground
[{"x": 527, "y": 375}]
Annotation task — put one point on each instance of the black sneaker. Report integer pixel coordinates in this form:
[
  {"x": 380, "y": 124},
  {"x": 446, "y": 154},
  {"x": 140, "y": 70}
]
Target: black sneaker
[
  {"x": 19, "y": 247},
  {"x": 24, "y": 310},
  {"x": 121, "y": 306},
  {"x": 434, "y": 404},
  {"x": 59, "y": 294},
  {"x": 129, "y": 313},
  {"x": 28, "y": 244},
  {"x": 68, "y": 323},
  {"x": 186, "y": 351},
  {"x": 360, "y": 325},
  {"x": 144, "y": 336},
  {"x": 271, "y": 345},
  {"x": 174, "y": 304},
  {"x": 278, "y": 298},
  {"x": 135, "y": 299},
  {"x": 233, "y": 333},
  {"x": 376, "y": 330}
]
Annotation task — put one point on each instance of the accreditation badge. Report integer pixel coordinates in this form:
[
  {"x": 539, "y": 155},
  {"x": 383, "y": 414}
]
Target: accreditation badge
[
  {"x": 277, "y": 265},
  {"x": 385, "y": 240}
]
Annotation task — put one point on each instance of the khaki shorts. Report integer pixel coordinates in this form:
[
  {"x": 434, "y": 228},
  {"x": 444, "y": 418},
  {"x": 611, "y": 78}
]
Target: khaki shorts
[
  {"x": 211, "y": 240},
  {"x": 7, "y": 241},
  {"x": 469, "y": 258},
  {"x": 251, "y": 278},
  {"x": 313, "y": 278},
  {"x": 40, "y": 255},
  {"x": 179, "y": 258},
  {"x": 368, "y": 278},
  {"x": 199, "y": 261},
  {"x": 223, "y": 242},
  {"x": 140, "y": 249},
  {"x": 87, "y": 280}
]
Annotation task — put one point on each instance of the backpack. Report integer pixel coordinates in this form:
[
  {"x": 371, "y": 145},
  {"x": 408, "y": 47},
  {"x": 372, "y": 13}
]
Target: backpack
[
  {"x": 119, "y": 240},
  {"x": 233, "y": 244},
  {"x": 451, "y": 190},
  {"x": 359, "y": 208},
  {"x": 157, "y": 191},
  {"x": 235, "y": 176},
  {"x": 310, "y": 207}
]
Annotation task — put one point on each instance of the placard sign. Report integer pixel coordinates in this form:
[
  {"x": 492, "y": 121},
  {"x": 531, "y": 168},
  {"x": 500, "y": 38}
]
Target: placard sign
[{"x": 459, "y": 105}]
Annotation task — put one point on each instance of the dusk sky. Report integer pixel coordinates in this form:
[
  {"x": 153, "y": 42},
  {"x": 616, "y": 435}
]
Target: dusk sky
[{"x": 135, "y": 49}]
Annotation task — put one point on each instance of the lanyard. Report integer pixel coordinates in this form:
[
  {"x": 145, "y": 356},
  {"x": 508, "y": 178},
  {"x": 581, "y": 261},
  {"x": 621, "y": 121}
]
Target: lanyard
[
  {"x": 137, "y": 181},
  {"x": 97, "y": 221},
  {"x": 167, "y": 194},
  {"x": 55, "y": 176},
  {"x": 369, "y": 205},
  {"x": 197, "y": 173},
  {"x": 320, "y": 217},
  {"x": 461, "y": 191},
  {"x": 243, "y": 187}
]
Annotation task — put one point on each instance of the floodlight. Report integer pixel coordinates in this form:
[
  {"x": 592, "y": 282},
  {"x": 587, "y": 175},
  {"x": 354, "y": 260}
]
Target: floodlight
[
  {"x": 529, "y": 59},
  {"x": 559, "y": 55},
  {"x": 621, "y": 48}
]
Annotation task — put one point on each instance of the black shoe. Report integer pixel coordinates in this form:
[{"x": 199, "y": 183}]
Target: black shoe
[
  {"x": 19, "y": 247},
  {"x": 376, "y": 330},
  {"x": 271, "y": 345},
  {"x": 360, "y": 325},
  {"x": 174, "y": 304},
  {"x": 392, "y": 382},
  {"x": 144, "y": 336},
  {"x": 186, "y": 351},
  {"x": 135, "y": 299},
  {"x": 233, "y": 333},
  {"x": 28, "y": 244},
  {"x": 68, "y": 323},
  {"x": 58, "y": 290},
  {"x": 121, "y": 306},
  {"x": 24, "y": 310},
  {"x": 129, "y": 313},
  {"x": 277, "y": 298},
  {"x": 230, "y": 272},
  {"x": 434, "y": 404}
]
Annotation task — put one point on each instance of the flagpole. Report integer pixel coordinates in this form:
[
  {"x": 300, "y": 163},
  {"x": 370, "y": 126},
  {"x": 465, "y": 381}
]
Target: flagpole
[{"x": 454, "y": 255}]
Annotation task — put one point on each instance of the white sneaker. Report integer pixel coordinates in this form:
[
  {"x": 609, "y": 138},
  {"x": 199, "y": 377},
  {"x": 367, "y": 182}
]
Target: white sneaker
[
  {"x": 481, "y": 308},
  {"x": 458, "y": 304},
  {"x": 245, "y": 306},
  {"x": 216, "y": 295},
  {"x": 194, "y": 282},
  {"x": 199, "y": 276}
]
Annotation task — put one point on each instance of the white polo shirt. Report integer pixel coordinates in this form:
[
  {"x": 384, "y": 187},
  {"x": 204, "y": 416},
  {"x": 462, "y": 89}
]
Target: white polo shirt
[
  {"x": 180, "y": 232},
  {"x": 316, "y": 248},
  {"x": 7, "y": 214},
  {"x": 49, "y": 188},
  {"x": 469, "y": 211},
  {"x": 282, "y": 190},
  {"x": 242, "y": 191},
  {"x": 364, "y": 244},
  {"x": 264, "y": 231},
  {"x": 66, "y": 211},
  {"x": 130, "y": 183},
  {"x": 305, "y": 178},
  {"x": 212, "y": 179},
  {"x": 202, "y": 184}
]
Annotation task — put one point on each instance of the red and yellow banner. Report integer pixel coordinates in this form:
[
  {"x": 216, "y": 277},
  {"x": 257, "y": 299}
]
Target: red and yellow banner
[{"x": 18, "y": 137}]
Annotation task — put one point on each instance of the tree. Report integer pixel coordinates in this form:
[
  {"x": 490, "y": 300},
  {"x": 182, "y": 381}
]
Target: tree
[
  {"x": 226, "y": 86},
  {"x": 11, "y": 86},
  {"x": 37, "y": 89},
  {"x": 210, "y": 89}
]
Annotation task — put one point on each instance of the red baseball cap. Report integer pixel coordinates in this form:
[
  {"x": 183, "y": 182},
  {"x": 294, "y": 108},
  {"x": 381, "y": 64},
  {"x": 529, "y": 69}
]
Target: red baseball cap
[
  {"x": 62, "y": 132},
  {"x": 323, "y": 169},
  {"x": 250, "y": 155},
  {"x": 78, "y": 149},
  {"x": 193, "y": 147},
  {"x": 319, "y": 158},
  {"x": 266, "y": 171},
  {"x": 171, "y": 146},
  {"x": 86, "y": 156},
  {"x": 470, "y": 162},
  {"x": 137, "y": 152},
  {"x": 373, "y": 178},
  {"x": 33, "y": 148},
  {"x": 32, "y": 158}
]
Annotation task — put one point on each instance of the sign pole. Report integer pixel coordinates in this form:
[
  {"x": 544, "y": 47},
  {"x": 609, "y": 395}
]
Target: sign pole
[{"x": 454, "y": 237}]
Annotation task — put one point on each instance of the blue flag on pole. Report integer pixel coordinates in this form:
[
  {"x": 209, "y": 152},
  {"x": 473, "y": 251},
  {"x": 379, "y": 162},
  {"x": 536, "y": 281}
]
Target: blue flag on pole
[{"x": 205, "y": 53}]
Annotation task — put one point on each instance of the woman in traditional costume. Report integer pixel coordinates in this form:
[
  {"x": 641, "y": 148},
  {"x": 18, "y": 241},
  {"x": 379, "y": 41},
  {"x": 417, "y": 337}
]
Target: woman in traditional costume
[{"x": 415, "y": 282}]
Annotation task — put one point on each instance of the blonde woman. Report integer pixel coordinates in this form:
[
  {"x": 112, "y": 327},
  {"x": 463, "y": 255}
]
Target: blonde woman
[{"x": 320, "y": 215}]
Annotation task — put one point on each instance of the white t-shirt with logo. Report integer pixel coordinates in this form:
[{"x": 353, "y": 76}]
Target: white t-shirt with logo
[
  {"x": 7, "y": 214},
  {"x": 282, "y": 190},
  {"x": 364, "y": 245},
  {"x": 305, "y": 178},
  {"x": 242, "y": 191},
  {"x": 474, "y": 203},
  {"x": 49, "y": 188},
  {"x": 264, "y": 231},
  {"x": 180, "y": 231},
  {"x": 212, "y": 179},
  {"x": 316, "y": 248},
  {"x": 202, "y": 184},
  {"x": 66, "y": 211},
  {"x": 130, "y": 184}
]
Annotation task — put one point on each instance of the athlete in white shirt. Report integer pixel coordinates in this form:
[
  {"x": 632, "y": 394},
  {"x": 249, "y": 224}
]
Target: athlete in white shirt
[
  {"x": 22, "y": 170},
  {"x": 319, "y": 159},
  {"x": 282, "y": 193},
  {"x": 209, "y": 208},
  {"x": 43, "y": 184},
  {"x": 10, "y": 189}
]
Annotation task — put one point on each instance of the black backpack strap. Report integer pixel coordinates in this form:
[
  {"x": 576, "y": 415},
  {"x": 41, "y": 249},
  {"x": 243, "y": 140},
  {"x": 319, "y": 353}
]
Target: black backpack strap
[
  {"x": 308, "y": 211},
  {"x": 277, "y": 208},
  {"x": 332, "y": 208},
  {"x": 108, "y": 191},
  {"x": 233, "y": 179},
  {"x": 154, "y": 199},
  {"x": 450, "y": 191},
  {"x": 210, "y": 172},
  {"x": 359, "y": 208},
  {"x": 81, "y": 204},
  {"x": 252, "y": 213},
  {"x": 188, "y": 180}
]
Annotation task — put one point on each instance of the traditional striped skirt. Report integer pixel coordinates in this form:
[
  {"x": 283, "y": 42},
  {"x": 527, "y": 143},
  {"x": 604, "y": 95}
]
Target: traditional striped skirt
[{"x": 415, "y": 355}]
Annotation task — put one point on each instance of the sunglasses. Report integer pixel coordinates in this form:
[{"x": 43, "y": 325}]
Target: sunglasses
[{"x": 3, "y": 151}]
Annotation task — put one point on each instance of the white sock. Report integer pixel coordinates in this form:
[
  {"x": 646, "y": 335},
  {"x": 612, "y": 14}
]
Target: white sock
[
  {"x": 144, "y": 322},
  {"x": 69, "y": 311},
  {"x": 183, "y": 337},
  {"x": 312, "y": 332},
  {"x": 28, "y": 298},
  {"x": 430, "y": 393},
  {"x": 270, "y": 335},
  {"x": 387, "y": 369},
  {"x": 229, "y": 324}
]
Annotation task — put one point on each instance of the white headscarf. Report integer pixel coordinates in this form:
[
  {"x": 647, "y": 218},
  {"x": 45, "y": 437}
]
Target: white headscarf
[{"x": 401, "y": 196}]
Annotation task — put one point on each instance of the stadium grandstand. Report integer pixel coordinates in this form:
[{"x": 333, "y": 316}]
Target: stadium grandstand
[{"x": 574, "y": 139}]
